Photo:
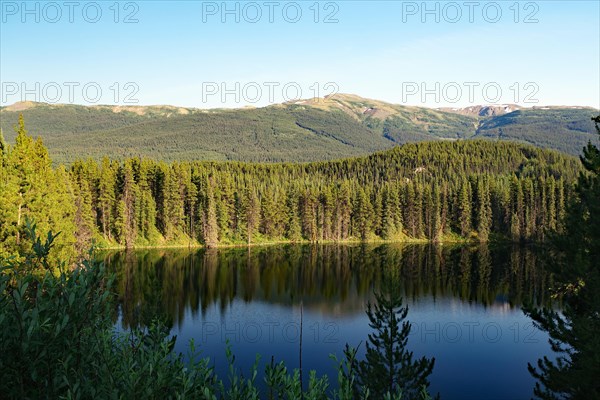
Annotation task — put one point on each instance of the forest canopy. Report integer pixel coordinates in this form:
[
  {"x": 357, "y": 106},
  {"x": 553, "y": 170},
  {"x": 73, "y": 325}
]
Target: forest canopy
[{"x": 435, "y": 191}]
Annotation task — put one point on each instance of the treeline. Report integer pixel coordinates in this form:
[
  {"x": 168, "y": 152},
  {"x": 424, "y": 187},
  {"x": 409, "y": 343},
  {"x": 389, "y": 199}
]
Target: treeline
[{"x": 428, "y": 191}]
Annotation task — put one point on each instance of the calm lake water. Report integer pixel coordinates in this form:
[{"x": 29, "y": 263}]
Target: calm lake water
[{"x": 464, "y": 306}]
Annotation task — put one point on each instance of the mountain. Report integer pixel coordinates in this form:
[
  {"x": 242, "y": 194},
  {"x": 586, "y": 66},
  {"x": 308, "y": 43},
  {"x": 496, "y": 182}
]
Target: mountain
[
  {"x": 484, "y": 111},
  {"x": 306, "y": 130}
]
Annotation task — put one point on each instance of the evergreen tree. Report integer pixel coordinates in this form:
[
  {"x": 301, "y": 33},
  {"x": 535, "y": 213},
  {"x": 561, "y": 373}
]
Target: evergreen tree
[
  {"x": 484, "y": 210},
  {"x": 106, "y": 197},
  {"x": 464, "y": 204},
  {"x": 325, "y": 214},
  {"x": 31, "y": 189},
  {"x": 269, "y": 214},
  {"x": 293, "y": 231},
  {"x": 210, "y": 228},
  {"x": 84, "y": 216},
  {"x": 308, "y": 208},
  {"x": 362, "y": 214},
  {"x": 251, "y": 213},
  {"x": 125, "y": 220},
  {"x": 478, "y": 185},
  {"x": 173, "y": 202},
  {"x": 343, "y": 212},
  {"x": 389, "y": 208},
  {"x": 551, "y": 202},
  {"x": 517, "y": 210},
  {"x": 574, "y": 332},
  {"x": 389, "y": 366}
]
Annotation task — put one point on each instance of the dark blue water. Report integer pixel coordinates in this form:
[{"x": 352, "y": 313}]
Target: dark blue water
[{"x": 464, "y": 307}]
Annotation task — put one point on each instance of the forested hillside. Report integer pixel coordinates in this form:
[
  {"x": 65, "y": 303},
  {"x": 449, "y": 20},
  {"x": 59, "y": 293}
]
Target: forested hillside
[
  {"x": 433, "y": 191},
  {"x": 568, "y": 130},
  {"x": 310, "y": 130}
]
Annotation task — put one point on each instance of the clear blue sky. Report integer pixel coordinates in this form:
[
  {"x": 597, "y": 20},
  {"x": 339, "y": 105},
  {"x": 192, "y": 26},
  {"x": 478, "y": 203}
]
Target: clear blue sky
[{"x": 186, "y": 53}]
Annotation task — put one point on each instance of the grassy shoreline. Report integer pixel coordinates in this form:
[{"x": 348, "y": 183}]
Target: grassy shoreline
[{"x": 196, "y": 245}]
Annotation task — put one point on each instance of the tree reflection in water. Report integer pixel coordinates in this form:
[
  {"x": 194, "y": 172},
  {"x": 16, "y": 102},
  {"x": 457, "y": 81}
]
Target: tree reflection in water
[{"x": 335, "y": 279}]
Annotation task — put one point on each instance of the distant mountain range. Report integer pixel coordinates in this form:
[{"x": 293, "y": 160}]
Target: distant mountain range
[{"x": 317, "y": 129}]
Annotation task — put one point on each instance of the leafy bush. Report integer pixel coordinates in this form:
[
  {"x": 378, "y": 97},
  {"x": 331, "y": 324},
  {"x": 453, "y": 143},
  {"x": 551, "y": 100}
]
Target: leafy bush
[{"x": 57, "y": 341}]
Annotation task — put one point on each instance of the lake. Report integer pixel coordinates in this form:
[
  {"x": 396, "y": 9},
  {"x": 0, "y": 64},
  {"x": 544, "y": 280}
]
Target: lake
[{"x": 464, "y": 306}]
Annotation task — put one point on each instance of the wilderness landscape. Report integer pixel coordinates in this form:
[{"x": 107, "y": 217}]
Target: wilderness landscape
[
  {"x": 175, "y": 225},
  {"x": 317, "y": 129}
]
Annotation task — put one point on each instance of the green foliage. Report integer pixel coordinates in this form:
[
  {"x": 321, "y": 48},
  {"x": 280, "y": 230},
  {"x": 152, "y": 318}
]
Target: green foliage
[
  {"x": 57, "y": 341},
  {"x": 566, "y": 129},
  {"x": 431, "y": 191},
  {"x": 436, "y": 191},
  {"x": 52, "y": 326},
  {"x": 574, "y": 332},
  {"x": 343, "y": 126},
  {"x": 389, "y": 367},
  {"x": 30, "y": 188}
]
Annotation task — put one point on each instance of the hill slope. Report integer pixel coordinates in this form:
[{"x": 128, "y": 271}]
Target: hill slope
[{"x": 308, "y": 130}]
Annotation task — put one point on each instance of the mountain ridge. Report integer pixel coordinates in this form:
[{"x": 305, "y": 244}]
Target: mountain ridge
[
  {"x": 316, "y": 129},
  {"x": 342, "y": 97}
]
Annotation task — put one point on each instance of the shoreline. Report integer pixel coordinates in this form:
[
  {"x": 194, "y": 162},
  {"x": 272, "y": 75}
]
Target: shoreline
[{"x": 199, "y": 246}]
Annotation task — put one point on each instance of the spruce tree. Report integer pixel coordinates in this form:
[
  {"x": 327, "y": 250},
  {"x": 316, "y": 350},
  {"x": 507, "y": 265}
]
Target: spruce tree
[
  {"x": 293, "y": 230},
  {"x": 389, "y": 367},
  {"x": 388, "y": 209},
  {"x": 484, "y": 210},
  {"x": 106, "y": 198},
  {"x": 210, "y": 226},
  {"x": 464, "y": 204},
  {"x": 251, "y": 213},
  {"x": 362, "y": 214},
  {"x": 574, "y": 332}
]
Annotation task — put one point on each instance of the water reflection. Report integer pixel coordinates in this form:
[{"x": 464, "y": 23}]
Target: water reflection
[{"x": 334, "y": 280}]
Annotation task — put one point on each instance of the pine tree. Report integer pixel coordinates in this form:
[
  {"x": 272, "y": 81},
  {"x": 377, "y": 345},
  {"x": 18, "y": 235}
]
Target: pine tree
[
  {"x": 342, "y": 212},
  {"x": 551, "y": 214},
  {"x": 410, "y": 210},
  {"x": 190, "y": 195},
  {"x": 293, "y": 231},
  {"x": 388, "y": 366},
  {"x": 362, "y": 214},
  {"x": 464, "y": 204},
  {"x": 106, "y": 197},
  {"x": 31, "y": 189},
  {"x": 389, "y": 208},
  {"x": 484, "y": 210},
  {"x": 517, "y": 220},
  {"x": 325, "y": 214},
  {"x": 84, "y": 217},
  {"x": 173, "y": 202},
  {"x": 210, "y": 226},
  {"x": 126, "y": 224},
  {"x": 395, "y": 208},
  {"x": 269, "y": 214},
  {"x": 561, "y": 205},
  {"x": 574, "y": 332},
  {"x": 308, "y": 214},
  {"x": 469, "y": 187},
  {"x": 251, "y": 213}
]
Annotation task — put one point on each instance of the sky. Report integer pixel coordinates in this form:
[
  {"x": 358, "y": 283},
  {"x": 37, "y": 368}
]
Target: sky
[{"x": 237, "y": 54}]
